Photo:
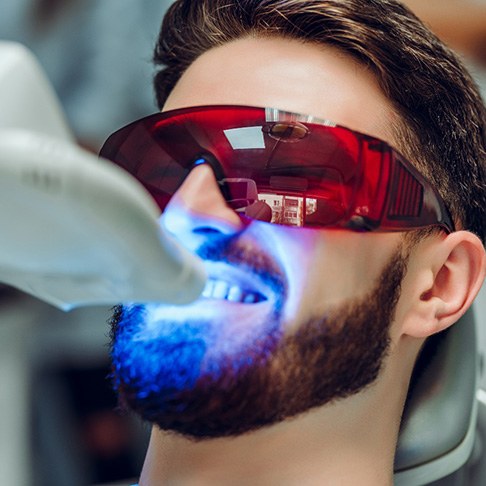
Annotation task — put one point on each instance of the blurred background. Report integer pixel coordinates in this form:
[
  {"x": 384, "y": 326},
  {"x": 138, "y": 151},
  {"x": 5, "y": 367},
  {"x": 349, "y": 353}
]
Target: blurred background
[
  {"x": 96, "y": 54},
  {"x": 59, "y": 423}
]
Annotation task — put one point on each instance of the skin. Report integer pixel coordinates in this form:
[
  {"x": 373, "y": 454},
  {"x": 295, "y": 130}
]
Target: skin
[{"x": 444, "y": 274}]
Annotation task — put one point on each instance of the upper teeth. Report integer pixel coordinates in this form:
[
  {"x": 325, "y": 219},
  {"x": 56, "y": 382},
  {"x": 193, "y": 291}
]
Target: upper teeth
[{"x": 219, "y": 289}]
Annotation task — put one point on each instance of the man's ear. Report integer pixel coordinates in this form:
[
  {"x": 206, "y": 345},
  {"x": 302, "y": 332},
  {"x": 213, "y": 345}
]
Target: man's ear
[{"x": 443, "y": 278}]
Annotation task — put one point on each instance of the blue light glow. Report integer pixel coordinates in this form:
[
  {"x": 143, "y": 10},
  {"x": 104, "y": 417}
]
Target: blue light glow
[
  {"x": 161, "y": 366},
  {"x": 161, "y": 351},
  {"x": 200, "y": 161}
]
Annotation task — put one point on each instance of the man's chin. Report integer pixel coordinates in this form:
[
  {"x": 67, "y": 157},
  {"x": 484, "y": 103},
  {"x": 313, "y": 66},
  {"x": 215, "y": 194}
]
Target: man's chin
[{"x": 179, "y": 373}]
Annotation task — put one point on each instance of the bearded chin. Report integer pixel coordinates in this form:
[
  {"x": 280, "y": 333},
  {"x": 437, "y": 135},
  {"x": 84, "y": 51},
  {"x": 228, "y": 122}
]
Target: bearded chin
[{"x": 176, "y": 383}]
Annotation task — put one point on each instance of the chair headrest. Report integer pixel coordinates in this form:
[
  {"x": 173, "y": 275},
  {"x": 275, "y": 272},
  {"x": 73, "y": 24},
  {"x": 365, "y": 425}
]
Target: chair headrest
[{"x": 440, "y": 404}]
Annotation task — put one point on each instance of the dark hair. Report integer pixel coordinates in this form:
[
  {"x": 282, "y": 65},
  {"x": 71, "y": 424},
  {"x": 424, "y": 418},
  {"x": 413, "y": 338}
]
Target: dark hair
[{"x": 442, "y": 129}]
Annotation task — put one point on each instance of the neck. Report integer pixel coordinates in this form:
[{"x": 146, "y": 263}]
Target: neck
[
  {"x": 349, "y": 442},
  {"x": 327, "y": 446}
]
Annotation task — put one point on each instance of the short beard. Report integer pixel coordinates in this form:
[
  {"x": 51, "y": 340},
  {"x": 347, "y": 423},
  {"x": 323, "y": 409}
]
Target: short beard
[{"x": 326, "y": 359}]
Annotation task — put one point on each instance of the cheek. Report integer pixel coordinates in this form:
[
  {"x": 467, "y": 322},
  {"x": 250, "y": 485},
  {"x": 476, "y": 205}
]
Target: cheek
[
  {"x": 294, "y": 250},
  {"x": 321, "y": 279},
  {"x": 325, "y": 269}
]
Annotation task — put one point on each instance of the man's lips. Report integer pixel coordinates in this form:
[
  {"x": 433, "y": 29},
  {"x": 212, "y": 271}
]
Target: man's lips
[{"x": 230, "y": 288}]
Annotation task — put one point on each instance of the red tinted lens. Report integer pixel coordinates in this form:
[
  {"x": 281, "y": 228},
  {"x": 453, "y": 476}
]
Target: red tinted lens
[
  {"x": 307, "y": 173},
  {"x": 160, "y": 158}
]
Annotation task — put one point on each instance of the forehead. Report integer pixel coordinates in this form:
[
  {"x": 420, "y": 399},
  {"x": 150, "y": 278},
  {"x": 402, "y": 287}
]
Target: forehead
[{"x": 289, "y": 75}]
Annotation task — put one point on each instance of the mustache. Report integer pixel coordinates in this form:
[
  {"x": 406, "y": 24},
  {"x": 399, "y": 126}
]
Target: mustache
[{"x": 241, "y": 253}]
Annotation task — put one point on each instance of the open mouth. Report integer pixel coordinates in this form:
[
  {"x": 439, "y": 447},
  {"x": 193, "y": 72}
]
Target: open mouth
[{"x": 222, "y": 290}]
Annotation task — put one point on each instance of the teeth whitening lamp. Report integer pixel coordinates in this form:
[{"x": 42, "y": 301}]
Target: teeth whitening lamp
[{"x": 75, "y": 230}]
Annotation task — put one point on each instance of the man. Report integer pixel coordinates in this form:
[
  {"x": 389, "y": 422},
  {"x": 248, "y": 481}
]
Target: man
[{"x": 330, "y": 257}]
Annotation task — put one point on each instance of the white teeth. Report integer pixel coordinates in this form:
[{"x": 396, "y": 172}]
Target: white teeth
[
  {"x": 219, "y": 289},
  {"x": 235, "y": 294},
  {"x": 208, "y": 289}
]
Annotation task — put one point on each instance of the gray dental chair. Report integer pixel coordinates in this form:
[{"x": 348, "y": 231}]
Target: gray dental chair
[{"x": 440, "y": 435}]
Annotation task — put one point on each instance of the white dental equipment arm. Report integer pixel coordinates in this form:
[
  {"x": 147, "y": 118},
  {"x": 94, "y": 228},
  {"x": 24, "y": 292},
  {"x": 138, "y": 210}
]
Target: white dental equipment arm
[{"x": 76, "y": 230}]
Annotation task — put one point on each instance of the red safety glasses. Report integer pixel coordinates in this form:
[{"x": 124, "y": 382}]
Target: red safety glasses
[{"x": 281, "y": 167}]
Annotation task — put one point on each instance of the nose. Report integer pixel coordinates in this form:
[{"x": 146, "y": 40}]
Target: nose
[{"x": 198, "y": 210}]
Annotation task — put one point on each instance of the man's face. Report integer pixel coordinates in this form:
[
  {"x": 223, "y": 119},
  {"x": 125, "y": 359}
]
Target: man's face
[{"x": 292, "y": 318}]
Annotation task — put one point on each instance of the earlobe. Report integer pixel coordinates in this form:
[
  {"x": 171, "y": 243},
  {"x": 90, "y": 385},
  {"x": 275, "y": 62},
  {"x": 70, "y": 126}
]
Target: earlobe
[{"x": 448, "y": 274}]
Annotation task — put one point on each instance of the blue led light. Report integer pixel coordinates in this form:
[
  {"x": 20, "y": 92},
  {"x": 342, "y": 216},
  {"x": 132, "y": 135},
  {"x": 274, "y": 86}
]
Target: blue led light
[{"x": 200, "y": 161}]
